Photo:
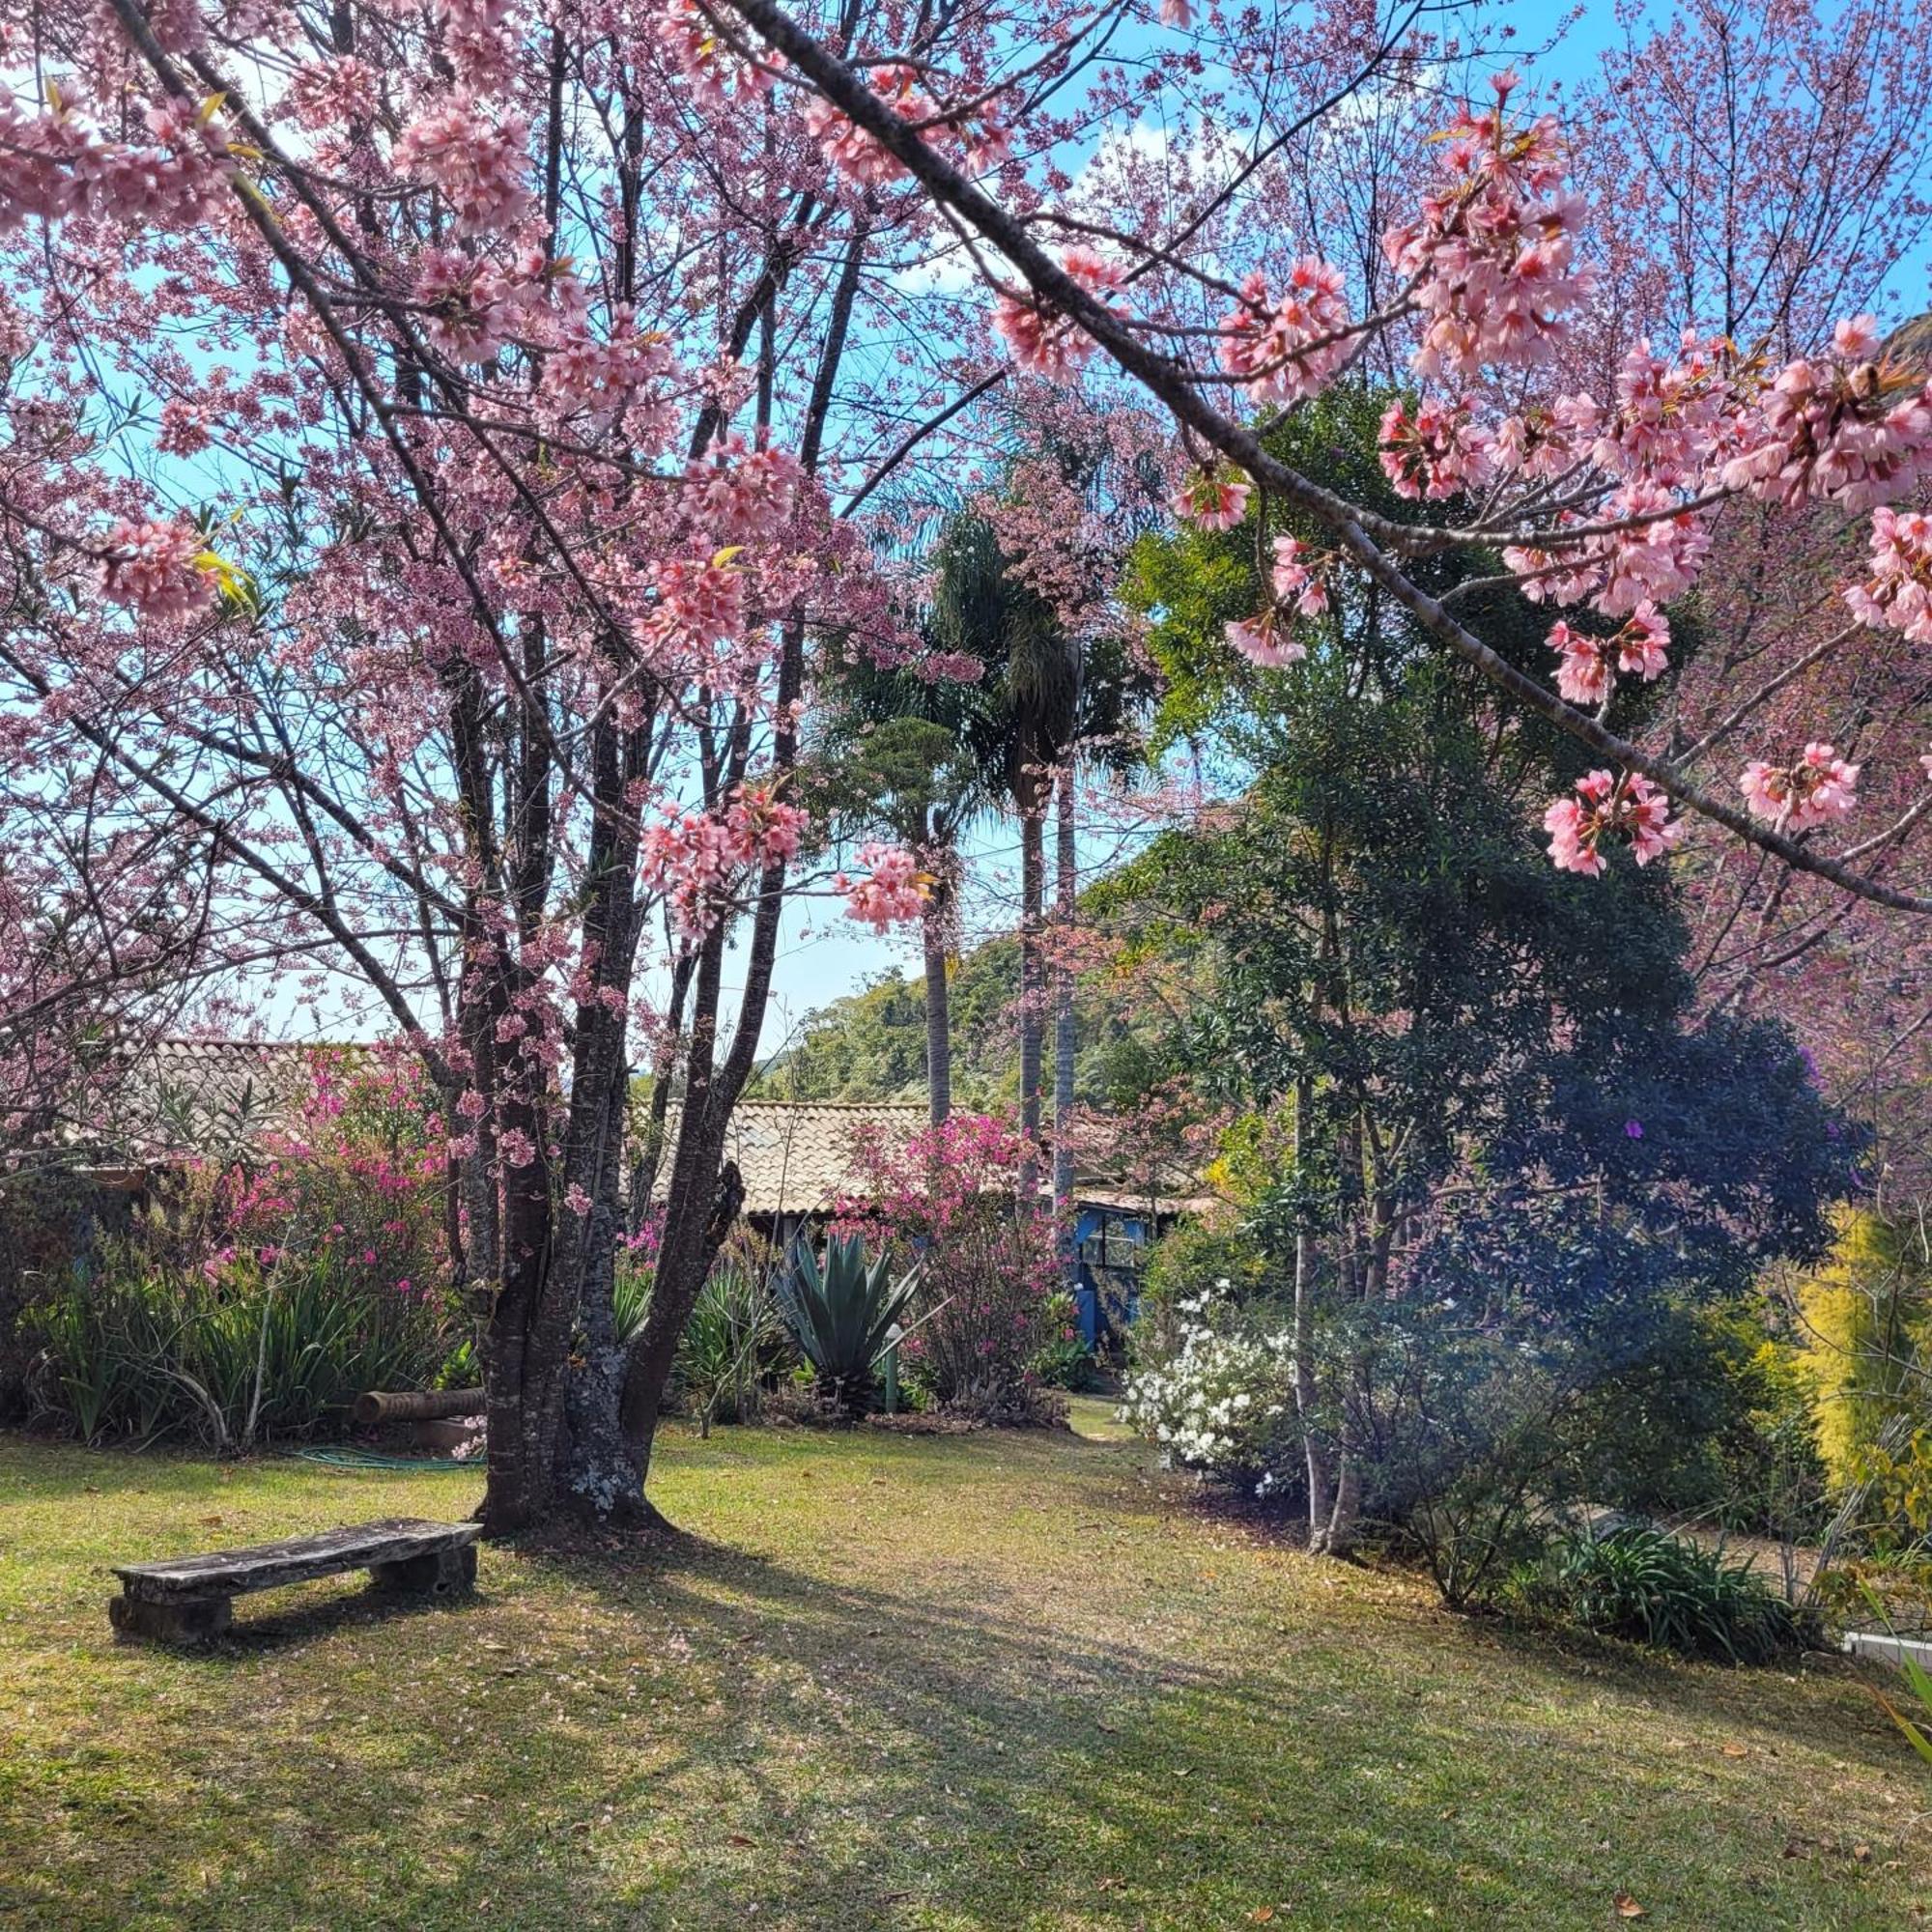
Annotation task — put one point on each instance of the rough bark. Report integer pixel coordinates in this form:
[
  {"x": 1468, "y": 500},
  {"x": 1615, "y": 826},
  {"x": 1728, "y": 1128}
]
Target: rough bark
[
  {"x": 1064, "y": 1037},
  {"x": 1033, "y": 988},
  {"x": 933, "y": 935}
]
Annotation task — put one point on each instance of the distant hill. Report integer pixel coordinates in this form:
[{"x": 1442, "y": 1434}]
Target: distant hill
[{"x": 872, "y": 1044}]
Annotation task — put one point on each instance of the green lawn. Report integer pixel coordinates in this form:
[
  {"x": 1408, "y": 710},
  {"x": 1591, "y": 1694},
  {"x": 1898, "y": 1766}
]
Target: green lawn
[{"x": 991, "y": 1681}]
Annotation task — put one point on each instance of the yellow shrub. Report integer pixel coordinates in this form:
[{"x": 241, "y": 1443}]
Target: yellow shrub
[{"x": 1867, "y": 1342}]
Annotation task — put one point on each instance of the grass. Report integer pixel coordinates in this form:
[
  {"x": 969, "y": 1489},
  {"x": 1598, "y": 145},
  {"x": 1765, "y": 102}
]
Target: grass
[{"x": 994, "y": 1681}]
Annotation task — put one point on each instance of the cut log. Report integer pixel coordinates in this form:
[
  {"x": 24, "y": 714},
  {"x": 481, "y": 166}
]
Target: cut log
[{"x": 408, "y": 1405}]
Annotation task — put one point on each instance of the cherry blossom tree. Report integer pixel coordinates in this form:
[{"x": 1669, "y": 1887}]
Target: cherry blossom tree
[
  {"x": 437, "y": 437},
  {"x": 475, "y": 673},
  {"x": 1760, "y": 171}
]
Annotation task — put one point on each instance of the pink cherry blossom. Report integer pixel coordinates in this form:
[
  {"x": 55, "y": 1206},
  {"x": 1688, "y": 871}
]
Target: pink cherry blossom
[
  {"x": 893, "y": 890},
  {"x": 850, "y": 149},
  {"x": 1212, "y": 502},
  {"x": 152, "y": 568},
  {"x": 479, "y": 165},
  {"x": 1438, "y": 452},
  {"x": 1584, "y": 674},
  {"x": 1490, "y": 258},
  {"x": 1898, "y": 594},
  {"x": 1294, "y": 578},
  {"x": 1839, "y": 426},
  {"x": 1290, "y": 347},
  {"x": 1630, "y": 808},
  {"x": 1819, "y": 788},
  {"x": 1267, "y": 640}
]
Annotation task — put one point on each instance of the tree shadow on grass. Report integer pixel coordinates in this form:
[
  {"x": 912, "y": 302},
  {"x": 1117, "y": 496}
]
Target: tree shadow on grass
[
  {"x": 691, "y": 1736},
  {"x": 290, "y": 1619}
]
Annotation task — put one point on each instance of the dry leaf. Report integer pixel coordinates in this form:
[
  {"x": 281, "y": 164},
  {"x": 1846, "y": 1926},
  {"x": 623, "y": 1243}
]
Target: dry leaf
[
  {"x": 1863, "y": 1854},
  {"x": 739, "y": 1838},
  {"x": 1262, "y": 1914},
  {"x": 1737, "y": 1750},
  {"x": 1628, "y": 1907}
]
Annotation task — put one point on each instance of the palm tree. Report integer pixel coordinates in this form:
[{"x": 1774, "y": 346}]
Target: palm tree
[
  {"x": 1115, "y": 690},
  {"x": 1021, "y": 736},
  {"x": 898, "y": 754}
]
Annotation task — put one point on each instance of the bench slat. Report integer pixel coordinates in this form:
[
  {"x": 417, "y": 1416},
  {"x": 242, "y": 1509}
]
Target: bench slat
[{"x": 268, "y": 1566}]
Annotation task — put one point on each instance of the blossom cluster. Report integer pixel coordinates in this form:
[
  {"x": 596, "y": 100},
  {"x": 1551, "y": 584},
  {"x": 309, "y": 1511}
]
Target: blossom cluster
[
  {"x": 1898, "y": 594},
  {"x": 157, "y": 570},
  {"x": 1646, "y": 550},
  {"x": 478, "y": 165},
  {"x": 978, "y": 134},
  {"x": 1588, "y": 666},
  {"x": 1819, "y": 788},
  {"x": 1489, "y": 259},
  {"x": 1606, "y": 807},
  {"x": 1212, "y": 500},
  {"x": 1300, "y": 590},
  {"x": 1043, "y": 342},
  {"x": 1841, "y": 426},
  {"x": 1292, "y": 347},
  {"x": 54, "y": 165},
  {"x": 1436, "y": 451},
  {"x": 695, "y": 860},
  {"x": 717, "y": 75},
  {"x": 890, "y": 890},
  {"x": 352, "y": 1179}
]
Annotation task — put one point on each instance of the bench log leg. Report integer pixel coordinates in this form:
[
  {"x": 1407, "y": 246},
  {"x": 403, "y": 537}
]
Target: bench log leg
[
  {"x": 180, "y": 1620},
  {"x": 442, "y": 1573}
]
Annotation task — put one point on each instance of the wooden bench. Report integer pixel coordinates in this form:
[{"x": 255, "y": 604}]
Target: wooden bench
[{"x": 189, "y": 1599}]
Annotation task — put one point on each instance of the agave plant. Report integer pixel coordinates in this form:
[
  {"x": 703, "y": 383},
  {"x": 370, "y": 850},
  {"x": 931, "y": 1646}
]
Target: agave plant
[{"x": 843, "y": 1311}]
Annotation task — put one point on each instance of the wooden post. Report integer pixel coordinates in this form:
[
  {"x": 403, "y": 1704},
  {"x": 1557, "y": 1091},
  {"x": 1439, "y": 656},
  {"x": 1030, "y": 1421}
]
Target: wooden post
[
  {"x": 440, "y": 1573},
  {"x": 178, "y": 1620}
]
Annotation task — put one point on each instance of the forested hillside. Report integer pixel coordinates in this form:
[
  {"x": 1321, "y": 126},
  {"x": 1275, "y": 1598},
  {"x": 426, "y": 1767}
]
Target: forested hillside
[{"x": 871, "y": 1045}]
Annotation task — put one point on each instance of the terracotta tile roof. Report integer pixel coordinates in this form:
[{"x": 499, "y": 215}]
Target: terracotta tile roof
[
  {"x": 796, "y": 1155},
  {"x": 182, "y": 1094}
]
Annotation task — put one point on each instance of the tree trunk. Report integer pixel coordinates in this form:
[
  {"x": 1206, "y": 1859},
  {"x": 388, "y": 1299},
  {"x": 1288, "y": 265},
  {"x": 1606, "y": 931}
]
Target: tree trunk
[
  {"x": 1344, "y": 1518},
  {"x": 1065, "y": 1040},
  {"x": 1032, "y": 990},
  {"x": 1314, "y": 1451},
  {"x": 934, "y": 932}
]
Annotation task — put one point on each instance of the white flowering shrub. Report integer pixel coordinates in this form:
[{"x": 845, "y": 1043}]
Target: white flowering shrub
[{"x": 1222, "y": 1402}]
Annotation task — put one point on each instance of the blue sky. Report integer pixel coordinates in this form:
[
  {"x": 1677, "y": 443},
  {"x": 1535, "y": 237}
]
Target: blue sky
[{"x": 823, "y": 954}]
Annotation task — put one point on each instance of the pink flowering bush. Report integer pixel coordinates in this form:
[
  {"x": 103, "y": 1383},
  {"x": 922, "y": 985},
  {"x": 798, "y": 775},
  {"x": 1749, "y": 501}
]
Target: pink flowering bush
[
  {"x": 950, "y": 1196},
  {"x": 255, "y": 1299},
  {"x": 355, "y": 1180}
]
